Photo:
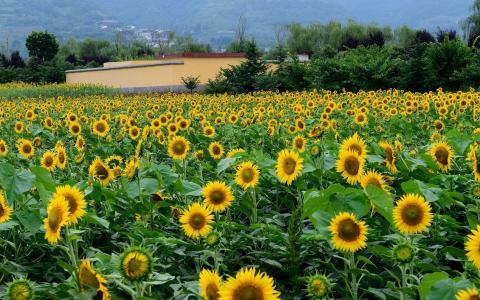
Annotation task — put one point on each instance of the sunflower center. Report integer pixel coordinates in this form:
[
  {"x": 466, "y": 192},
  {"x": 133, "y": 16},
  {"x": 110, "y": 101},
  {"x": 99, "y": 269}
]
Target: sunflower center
[
  {"x": 212, "y": 292},
  {"x": 217, "y": 197},
  {"x": 197, "y": 221},
  {"x": 2, "y": 210},
  {"x": 442, "y": 155},
  {"x": 61, "y": 157},
  {"x": 299, "y": 143},
  {"x": 135, "y": 265},
  {"x": 216, "y": 150},
  {"x": 389, "y": 153},
  {"x": 2, "y": 147},
  {"x": 75, "y": 129},
  {"x": 27, "y": 148},
  {"x": 89, "y": 278},
  {"x": 375, "y": 182},
  {"x": 412, "y": 215},
  {"x": 247, "y": 175},
  {"x": 72, "y": 202},
  {"x": 318, "y": 286},
  {"x": 248, "y": 293},
  {"x": 348, "y": 230},
  {"x": 100, "y": 127},
  {"x": 48, "y": 161},
  {"x": 54, "y": 219},
  {"x": 360, "y": 118},
  {"x": 179, "y": 148},
  {"x": 289, "y": 166},
  {"x": 101, "y": 171},
  {"x": 352, "y": 165}
]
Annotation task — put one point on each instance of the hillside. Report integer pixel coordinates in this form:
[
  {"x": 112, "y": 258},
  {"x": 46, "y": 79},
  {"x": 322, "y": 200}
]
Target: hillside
[{"x": 214, "y": 20}]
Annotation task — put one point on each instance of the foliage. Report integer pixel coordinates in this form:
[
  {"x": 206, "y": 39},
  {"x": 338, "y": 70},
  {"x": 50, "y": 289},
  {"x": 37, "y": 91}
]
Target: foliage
[
  {"x": 19, "y": 90},
  {"x": 42, "y": 45},
  {"x": 281, "y": 229},
  {"x": 191, "y": 82}
]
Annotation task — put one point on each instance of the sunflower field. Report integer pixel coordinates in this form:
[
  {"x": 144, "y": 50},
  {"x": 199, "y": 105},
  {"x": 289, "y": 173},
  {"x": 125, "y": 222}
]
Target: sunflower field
[{"x": 307, "y": 195}]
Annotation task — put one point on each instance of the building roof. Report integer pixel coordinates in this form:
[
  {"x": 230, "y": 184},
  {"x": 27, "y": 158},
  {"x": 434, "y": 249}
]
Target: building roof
[
  {"x": 126, "y": 67},
  {"x": 200, "y": 55}
]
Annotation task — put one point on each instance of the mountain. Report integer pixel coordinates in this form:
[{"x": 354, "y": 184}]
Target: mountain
[{"x": 214, "y": 20}]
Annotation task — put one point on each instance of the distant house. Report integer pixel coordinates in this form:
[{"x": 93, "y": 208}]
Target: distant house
[{"x": 163, "y": 74}]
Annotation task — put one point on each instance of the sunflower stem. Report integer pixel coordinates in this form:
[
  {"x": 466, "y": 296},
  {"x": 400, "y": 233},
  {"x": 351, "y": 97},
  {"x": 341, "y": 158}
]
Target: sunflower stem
[
  {"x": 403, "y": 295},
  {"x": 73, "y": 258},
  {"x": 354, "y": 284},
  {"x": 254, "y": 206}
]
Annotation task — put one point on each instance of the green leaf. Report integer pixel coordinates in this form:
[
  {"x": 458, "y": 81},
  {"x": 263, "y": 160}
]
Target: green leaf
[
  {"x": 8, "y": 225},
  {"x": 15, "y": 182},
  {"x": 188, "y": 188},
  {"x": 92, "y": 218},
  {"x": 30, "y": 220},
  {"x": 431, "y": 192},
  {"x": 446, "y": 289},
  {"x": 43, "y": 177},
  {"x": 382, "y": 200},
  {"x": 427, "y": 281},
  {"x": 225, "y": 164}
]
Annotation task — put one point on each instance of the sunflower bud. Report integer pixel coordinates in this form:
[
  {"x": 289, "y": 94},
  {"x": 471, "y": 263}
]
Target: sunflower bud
[
  {"x": 403, "y": 253},
  {"x": 20, "y": 289},
  {"x": 136, "y": 264},
  {"x": 318, "y": 286}
]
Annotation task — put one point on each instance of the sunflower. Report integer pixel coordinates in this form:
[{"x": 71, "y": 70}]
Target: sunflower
[
  {"x": 20, "y": 289},
  {"x": 76, "y": 202},
  {"x": 355, "y": 143},
  {"x": 473, "y": 158},
  {"x": 350, "y": 166},
  {"x": 131, "y": 167},
  {"x": 75, "y": 128},
  {"x": 249, "y": 284},
  {"x": 216, "y": 150},
  {"x": 247, "y": 175},
  {"x": 134, "y": 132},
  {"x": 196, "y": 220},
  {"x": 136, "y": 264},
  {"x": 210, "y": 283},
  {"x": 467, "y": 294},
  {"x": 218, "y": 196},
  {"x": 58, "y": 216},
  {"x": 390, "y": 156},
  {"x": 158, "y": 197},
  {"x": 89, "y": 277},
  {"x": 80, "y": 143},
  {"x": 442, "y": 154},
  {"x": 412, "y": 214},
  {"x": 5, "y": 210},
  {"x": 178, "y": 148},
  {"x": 25, "y": 148},
  {"x": 3, "y": 148},
  {"x": 299, "y": 143},
  {"x": 101, "y": 128},
  {"x": 199, "y": 155},
  {"x": 472, "y": 246},
  {"x": 209, "y": 131},
  {"x": 99, "y": 170},
  {"x": 19, "y": 127},
  {"x": 49, "y": 160},
  {"x": 289, "y": 166},
  {"x": 374, "y": 178},
  {"x": 234, "y": 152},
  {"x": 361, "y": 119},
  {"x": 348, "y": 234},
  {"x": 61, "y": 156}
]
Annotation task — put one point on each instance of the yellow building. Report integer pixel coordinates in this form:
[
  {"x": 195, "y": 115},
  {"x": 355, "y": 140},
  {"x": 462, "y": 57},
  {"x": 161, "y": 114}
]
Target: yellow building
[{"x": 163, "y": 74}]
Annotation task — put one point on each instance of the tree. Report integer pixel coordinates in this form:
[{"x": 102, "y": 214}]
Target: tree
[
  {"x": 191, "y": 82},
  {"x": 471, "y": 24},
  {"x": 42, "y": 45},
  {"x": 241, "y": 78},
  {"x": 16, "y": 61}
]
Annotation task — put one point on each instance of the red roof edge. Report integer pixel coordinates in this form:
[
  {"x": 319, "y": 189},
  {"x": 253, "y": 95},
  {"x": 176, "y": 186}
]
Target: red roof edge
[{"x": 200, "y": 55}]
